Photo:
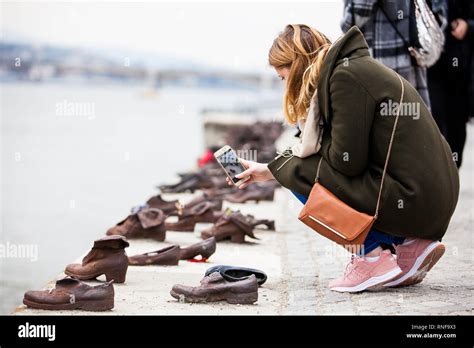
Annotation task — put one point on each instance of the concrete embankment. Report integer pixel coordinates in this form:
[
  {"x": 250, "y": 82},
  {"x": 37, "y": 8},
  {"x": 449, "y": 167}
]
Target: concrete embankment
[{"x": 299, "y": 264}]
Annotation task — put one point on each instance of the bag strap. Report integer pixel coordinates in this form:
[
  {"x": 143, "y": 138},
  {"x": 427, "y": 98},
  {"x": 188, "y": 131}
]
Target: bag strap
[
  {"x": 388, "y": 151},
  {"x": 394, "y": 26},
  {"x": 390, "y": 146},
  {"x": 352, "y": 13}
]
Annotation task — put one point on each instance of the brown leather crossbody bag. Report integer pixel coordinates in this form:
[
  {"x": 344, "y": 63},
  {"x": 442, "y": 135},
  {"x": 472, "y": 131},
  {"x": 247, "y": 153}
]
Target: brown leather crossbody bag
[{"x": 334, "y": 219}]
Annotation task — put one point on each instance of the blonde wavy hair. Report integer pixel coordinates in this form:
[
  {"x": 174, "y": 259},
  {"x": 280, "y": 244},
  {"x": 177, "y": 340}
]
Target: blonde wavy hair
[{"x": 302, "y": 49}]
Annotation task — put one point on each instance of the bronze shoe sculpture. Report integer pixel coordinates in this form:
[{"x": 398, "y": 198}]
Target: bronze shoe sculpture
[
  {"x": 71, "y": 293},
  {"x": 202, "y": 212},
  {"x": 236, "y": 273},
  {"x": 107, "y": 256},
  {"x": 215, "y": 288},
  {"x": 189, "y": 183},
  {"x": 254, "y": 192},
  {"x": 257, "y": 222},
  {"x": 233, "y": 226},
  {"x": 185, "y": 209},
  {"x": 168, "y": 256},
  {"x": 202, "y": 198},
  {"x": 166, "y": 206},
  {"x": 146, "y": 223},
  {"x": 205, "y": 248}
]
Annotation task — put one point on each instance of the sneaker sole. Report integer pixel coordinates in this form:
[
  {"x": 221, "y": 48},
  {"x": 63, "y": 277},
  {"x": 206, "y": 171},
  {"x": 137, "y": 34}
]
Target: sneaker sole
[
  {"x": 371, "y": 282},
  {"x": 423, "y": 264}
]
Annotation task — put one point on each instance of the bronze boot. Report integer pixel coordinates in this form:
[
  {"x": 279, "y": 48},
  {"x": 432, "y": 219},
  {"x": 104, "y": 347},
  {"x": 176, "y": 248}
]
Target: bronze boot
[
  {"x": 215, "y": 288},
  {"x": 185, "y": 209},
  {"x": 165, "y": 257},
  {"x": 189, "y": 183},
  {"x": 202, "y": 198},
  {"x": 202, "y": 212},
  {"x": 107, "y": 256},
  {"x": 166, "y": 206},
  {"x": 71, "y": 293},
  {"x": 220, "y": 193},
  {"x": 233, "y": 226},
  {"x": 257, "y": 222},
  {"x": 146, "y": 223},
  {"x": 205, "y": 248}
]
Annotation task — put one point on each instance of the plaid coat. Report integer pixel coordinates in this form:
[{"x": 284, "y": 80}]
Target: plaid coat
[{"x": 384, "y": 42}]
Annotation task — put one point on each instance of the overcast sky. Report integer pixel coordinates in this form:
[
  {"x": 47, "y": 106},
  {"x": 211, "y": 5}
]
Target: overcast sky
[{"x": 224, "y": 34}]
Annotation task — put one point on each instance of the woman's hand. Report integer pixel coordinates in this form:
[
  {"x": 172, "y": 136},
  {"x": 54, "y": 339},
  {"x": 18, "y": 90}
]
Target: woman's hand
[
  {"x": 258, "y": 172},
  {"x": 459, "y": 28}
]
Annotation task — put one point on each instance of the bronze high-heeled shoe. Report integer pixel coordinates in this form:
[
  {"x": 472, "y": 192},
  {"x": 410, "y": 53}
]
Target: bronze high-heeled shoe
[
  {"x": 233, "y": 226},
  {"x": 257, "y": 222},
  {"x": 165, "y": 257},
  {"x": 205, "y": 248}
]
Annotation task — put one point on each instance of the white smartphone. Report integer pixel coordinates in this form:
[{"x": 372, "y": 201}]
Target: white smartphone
[{"x": 231, "y": 164}]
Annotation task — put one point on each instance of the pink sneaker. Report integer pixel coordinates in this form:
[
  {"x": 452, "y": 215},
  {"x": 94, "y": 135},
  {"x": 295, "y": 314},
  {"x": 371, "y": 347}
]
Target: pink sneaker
[
  {"x": 361, "y": 274},
  {"x": 416, "y": 257}
]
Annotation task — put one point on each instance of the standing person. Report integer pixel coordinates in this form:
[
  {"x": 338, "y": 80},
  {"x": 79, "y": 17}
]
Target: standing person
[
  {"x": 451, "y": 81},
  {"x": 421, "y": 185},
  {"x": 389, "y": 26}
]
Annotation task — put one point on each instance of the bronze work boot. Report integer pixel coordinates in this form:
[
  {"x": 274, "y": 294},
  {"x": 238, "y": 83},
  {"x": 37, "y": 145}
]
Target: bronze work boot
[
  {"x": 106, "y": 257},
  {"x": 202, "y": 212},
  {"x": 71, "y": 293},
  {"x": 205, "y": 248},
  {"x": 159, "y": 203},
  {"x": 146, "y": 223},
  {"x": 233, "y": 226},
  {"x": 165, "y": 257},
  {"x": 215, "y": 288}
]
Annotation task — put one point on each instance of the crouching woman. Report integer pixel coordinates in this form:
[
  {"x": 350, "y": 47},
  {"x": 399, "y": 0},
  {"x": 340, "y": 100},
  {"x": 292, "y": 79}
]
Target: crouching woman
[{"x": 340, "y": 97}]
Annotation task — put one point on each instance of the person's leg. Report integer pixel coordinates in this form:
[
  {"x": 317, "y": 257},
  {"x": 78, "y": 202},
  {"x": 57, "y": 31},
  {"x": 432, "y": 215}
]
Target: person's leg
[
  {"x": 373, "y": 268},
  {"x": 384, "y": 238},
  {"x": 371, "y": 246},
  {"x": 438, "y": 96},
  {"x": 458, "y": 105},
  {"x": 415, "y": 257},
  {"x": 300, "y": 197},
  {"x": 373, "y": 243}
]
